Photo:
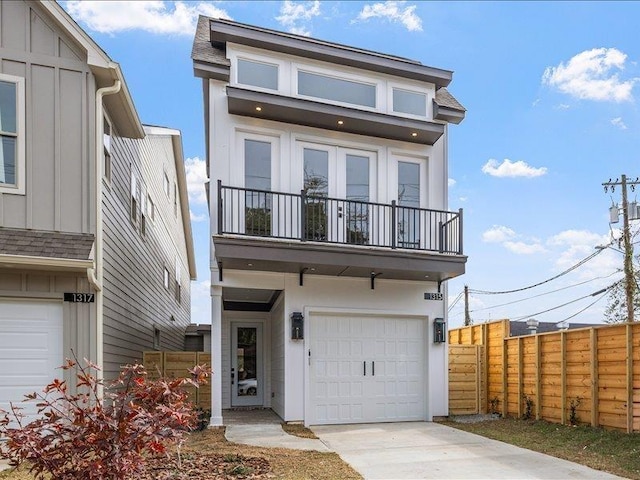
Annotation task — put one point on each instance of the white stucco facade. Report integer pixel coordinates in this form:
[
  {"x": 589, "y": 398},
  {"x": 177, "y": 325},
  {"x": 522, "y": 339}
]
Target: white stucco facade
[{"x": 291, "y": 374}]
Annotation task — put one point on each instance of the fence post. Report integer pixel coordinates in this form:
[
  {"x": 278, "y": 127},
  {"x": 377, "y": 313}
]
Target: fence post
[
  {"x": 394, "y": 224},
  {"x": 303, "y": 215},
  {"x": 520, "y": 375},
  {"x": 220, "y": 209},
  {"x": 629, "y": 330},
  {"x": 538, "y": 377},
  {"x": 505, "y": 365},
  {"x": 563, "y": 377},
  {"x": 594, "y": 377}
]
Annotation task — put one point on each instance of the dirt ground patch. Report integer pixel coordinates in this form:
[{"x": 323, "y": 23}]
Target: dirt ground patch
[
  {"x": 209, "y": 456},
  {"x": 298, "y": 430},
  {"x": 610, "y": 451}
]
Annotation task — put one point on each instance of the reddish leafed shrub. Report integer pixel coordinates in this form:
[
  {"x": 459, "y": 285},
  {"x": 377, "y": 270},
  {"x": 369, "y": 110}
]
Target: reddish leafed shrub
[{"x": 82, "y": 436}]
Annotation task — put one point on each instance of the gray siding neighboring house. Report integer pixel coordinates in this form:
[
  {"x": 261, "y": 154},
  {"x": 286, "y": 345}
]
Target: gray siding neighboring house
[{"x": 53, "y": 239}]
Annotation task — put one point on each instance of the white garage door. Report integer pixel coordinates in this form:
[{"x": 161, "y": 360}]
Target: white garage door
[
  {"x": 366, "y": 369},
  {"x": 30, "y": 349}
]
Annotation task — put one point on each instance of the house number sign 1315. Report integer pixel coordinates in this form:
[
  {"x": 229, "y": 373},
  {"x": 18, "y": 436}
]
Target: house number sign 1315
[
  {"x": 433, "y": 296},
  {"x": 80, "y": 297}
]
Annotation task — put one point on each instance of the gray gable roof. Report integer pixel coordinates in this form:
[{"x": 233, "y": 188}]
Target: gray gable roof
[
  {"x": 37, "y": 243},
  {"x": 202, "y": 50},
  {"x": 445, "y": 99}
]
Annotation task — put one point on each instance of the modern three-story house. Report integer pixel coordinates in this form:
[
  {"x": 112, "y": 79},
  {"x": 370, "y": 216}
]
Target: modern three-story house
[
  {"x": 96, "y": 253},
  {"x": 331, "y": 239}
]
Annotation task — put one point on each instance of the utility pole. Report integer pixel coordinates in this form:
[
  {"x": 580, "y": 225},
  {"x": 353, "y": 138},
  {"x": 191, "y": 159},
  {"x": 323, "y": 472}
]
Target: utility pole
[
  {"x": 626, "y": 238},
  {"x": 467, "y": 318}
]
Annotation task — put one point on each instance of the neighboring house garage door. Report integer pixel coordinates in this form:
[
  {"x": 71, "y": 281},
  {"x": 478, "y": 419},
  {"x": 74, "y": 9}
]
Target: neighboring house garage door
[
  {"x": 366, "y": 368},
  {"x": 30, "y": 348}
]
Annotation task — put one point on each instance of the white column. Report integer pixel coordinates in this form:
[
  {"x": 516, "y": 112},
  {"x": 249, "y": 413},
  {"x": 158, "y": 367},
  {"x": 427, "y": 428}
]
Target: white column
[{"x": 216, "y": 354}]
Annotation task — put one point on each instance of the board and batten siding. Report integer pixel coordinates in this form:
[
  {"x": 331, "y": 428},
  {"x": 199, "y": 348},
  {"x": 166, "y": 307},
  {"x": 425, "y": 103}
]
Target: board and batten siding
[
  {"x": 278, "y": 335},
  {"x": 135, "y": 299},
  {"x": 59, "y": 112}
]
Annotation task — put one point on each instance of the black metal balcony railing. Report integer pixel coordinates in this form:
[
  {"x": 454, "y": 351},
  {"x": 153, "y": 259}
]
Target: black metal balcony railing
[{"x": 305, "y": 217}]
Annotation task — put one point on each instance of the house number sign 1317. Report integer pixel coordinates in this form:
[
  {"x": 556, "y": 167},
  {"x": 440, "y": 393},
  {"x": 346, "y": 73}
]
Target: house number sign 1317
[
  {"x": 80, "y": 297},
  {"x": 433, "y": 296}
]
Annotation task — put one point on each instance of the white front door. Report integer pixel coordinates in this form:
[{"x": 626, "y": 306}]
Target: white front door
[
  {"x": 247, "y": 378},
  {"x": 30, "y": 350},
  {"x": 366, "y": 368}
]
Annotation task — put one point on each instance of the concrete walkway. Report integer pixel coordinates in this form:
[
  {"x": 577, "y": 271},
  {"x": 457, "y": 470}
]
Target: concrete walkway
[
  {"x": 4, "y": 465},
  {"x": 270, "y": 435},
  {"x": 433, "y": 451}
]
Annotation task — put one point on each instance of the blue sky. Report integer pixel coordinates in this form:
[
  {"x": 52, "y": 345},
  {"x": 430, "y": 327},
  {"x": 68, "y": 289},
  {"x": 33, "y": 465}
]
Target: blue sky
[{"x": 551, "y": 90}]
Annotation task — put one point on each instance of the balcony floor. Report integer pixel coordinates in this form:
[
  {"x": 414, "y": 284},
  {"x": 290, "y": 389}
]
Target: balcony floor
[{"x": 275, "y": 255}]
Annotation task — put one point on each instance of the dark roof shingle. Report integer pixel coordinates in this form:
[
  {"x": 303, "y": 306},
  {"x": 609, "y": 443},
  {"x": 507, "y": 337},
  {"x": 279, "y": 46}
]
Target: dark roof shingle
[
  {"x": 202, "y": 50},
  {"x": 38, "y": 243},
  {"x": 445, "y": 99}
]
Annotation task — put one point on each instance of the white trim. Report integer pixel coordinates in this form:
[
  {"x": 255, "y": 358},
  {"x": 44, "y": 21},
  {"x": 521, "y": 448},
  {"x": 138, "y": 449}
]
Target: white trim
[
  {"x": 153, "y": 130},
  {"x": 60, "y": 263},
  {"x": 20, "y": 155}
]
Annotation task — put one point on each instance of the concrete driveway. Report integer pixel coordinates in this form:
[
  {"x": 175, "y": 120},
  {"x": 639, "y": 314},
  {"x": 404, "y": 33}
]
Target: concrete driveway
[{"x": 421, "y": 450}]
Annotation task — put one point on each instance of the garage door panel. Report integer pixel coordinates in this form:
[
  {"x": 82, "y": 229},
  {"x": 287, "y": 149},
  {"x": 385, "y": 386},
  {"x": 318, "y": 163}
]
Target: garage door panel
[
  {"x": 30, "y": 349},
  {"x": 393, "y": 391}
]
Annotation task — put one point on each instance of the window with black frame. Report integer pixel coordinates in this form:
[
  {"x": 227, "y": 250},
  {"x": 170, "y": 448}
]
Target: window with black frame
[
  {"x": 408, "y": 212},
  {"x": 316, "y": 187},
  {"x": 257, "y": 182}
]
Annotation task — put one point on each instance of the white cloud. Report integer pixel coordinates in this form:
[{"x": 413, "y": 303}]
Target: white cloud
[
  {"x": 198, "y": 217},
  {"x": 522, "y": 248},
  {"x": 512, "y": 169},
  {"x": 196, "y": 172},
  {"x": 592, "y": 75},
  {"x": 292, "y": 14},
  {"x": 535, "y": 102},
  {"x": 618, "y": 123},
  {"x": 178, "y": 18},
  {"x": 451, "y": 182},
  {"x": 578, "y": 237},
  {"x": 498, "y": 234},
  {"x": 562, "y": 106},
  {"x": 394, "y": 11}
]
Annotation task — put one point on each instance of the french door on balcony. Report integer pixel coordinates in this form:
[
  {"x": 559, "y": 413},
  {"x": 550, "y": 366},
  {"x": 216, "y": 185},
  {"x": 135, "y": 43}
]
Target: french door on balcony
[{"x": 338, "y": 184}]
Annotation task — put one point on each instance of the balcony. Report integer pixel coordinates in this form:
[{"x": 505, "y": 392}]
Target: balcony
[{"x": 308, "y": 234}]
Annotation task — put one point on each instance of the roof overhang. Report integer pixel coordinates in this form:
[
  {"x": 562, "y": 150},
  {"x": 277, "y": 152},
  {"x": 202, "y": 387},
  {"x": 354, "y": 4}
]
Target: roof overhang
[
  {"x": 257, "y": 254},
  {"x": 208, "y": 70},
  {"x": 25, "y": 262},
  {"x": 321, "y": 115},
  {"x": 223, "y": 31},
  {"x": 447, "y": 114}
]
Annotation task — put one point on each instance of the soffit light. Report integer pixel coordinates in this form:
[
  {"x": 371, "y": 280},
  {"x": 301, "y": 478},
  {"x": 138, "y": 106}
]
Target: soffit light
[{"x": 258, "y": 109}]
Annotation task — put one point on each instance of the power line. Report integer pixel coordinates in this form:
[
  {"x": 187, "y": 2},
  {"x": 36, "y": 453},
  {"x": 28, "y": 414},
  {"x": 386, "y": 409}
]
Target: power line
[
  {"x": 585, "y": 308},
  {"x": 570, "y": 269},
  {"x": 542, "y": 294},
  {"x": 604, "y": 290},
  {"x": 453, "y": 304}
]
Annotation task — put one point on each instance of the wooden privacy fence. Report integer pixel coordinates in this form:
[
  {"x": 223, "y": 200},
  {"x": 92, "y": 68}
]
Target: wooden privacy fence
[
  {"x": 587, "y": 375},
  {"x": 176, "y": 365},
  {"x": 466, "y": 379}
]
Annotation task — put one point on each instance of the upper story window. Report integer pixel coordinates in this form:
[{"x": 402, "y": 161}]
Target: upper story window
[
  {"x": 413, "y": 103},
  {"x": 257, "y": 164},
  {"x": 336, "y": 89},
  {"x": 12, "y": 133},
  {"x": 257, "y": 74},
  {"x": 106, "y": 143}
]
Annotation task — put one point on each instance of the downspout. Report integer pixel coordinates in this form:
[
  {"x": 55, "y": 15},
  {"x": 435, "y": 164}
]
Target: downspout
[{"x": 95, "y": 278}]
